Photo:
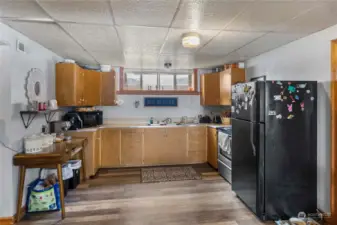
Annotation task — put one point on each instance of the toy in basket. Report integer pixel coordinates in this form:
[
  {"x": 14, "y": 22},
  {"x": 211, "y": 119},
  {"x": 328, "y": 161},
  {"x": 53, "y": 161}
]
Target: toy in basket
[{"x": 43, "y": 195}]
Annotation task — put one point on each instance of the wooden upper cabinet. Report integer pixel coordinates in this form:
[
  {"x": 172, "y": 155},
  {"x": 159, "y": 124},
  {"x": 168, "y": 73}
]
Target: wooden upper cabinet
[
  {"x": 216, "y": 88},
  {"x": 92, "y": 88},
  {"x": 69, "y": 84},
  {"x": 108, "y": 90},
  {"x": 202, "y": 89},
  {"x": 79, "y": 87},
  {"x": 212, "y": 89}
]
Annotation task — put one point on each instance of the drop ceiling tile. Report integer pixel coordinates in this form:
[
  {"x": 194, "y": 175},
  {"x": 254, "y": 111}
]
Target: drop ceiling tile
[
  {"x": 22, "y": 10},
  {"x": 94, "y": 37},
  {"x": 55, "y": 39},
  {"x": 203, "y": 60},
  {"x": 314, "y": 20},
  {"x": 228, "y": 41},
  {"x": 266, "y": 43},
  {"x": 85, "y": 11},
  {"x": 114, "y": 58},
  {"x": 142, "y": 39},
  {"x": 143, "y": 61},
  {"x": 264, "y": 16},
  {"x": 144, "y": 13},
  {"x": 173, "y": 43},
  {"x": 208, "y": 14}
]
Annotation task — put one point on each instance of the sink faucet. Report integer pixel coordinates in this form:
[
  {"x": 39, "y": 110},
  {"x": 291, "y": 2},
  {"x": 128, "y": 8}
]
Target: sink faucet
[{"x": 167, "y": 120}]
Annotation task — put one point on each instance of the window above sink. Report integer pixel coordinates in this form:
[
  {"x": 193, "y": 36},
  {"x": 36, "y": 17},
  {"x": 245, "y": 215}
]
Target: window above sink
[{"x": 159, "y": 82}]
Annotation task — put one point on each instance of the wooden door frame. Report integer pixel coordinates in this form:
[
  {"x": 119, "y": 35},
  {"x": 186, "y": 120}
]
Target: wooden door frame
[{"x": 333, "y": 89}]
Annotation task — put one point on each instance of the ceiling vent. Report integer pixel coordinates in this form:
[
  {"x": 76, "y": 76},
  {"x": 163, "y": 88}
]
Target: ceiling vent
[{"x": 20, "y": 46}]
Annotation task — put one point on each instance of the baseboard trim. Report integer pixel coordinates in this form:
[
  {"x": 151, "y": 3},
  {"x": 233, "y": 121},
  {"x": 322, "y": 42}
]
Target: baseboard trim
[{"x": 6, "y": 221}]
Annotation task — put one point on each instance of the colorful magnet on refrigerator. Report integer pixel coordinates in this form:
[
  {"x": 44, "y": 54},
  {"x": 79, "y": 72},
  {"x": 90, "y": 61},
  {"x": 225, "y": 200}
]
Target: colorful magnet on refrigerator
[
  {"x": 290, "y": 107},
  {"x": 297, "y": 91},
  {"x": 271, "y": 113},
  {"x": 291, "y": 89},
  {"x": 301, "y": 85},
  {"x": 281, "y": 87},
  {"x": 285, "y": 97},
  {"x": 277, "y": 97},
  {"x": 312, "y": 98},
  {"x": 297, "y": 98},
  {"x": 292, "y": 98},
  {"x": 279, "y": 116},
  {"x": 289, "y": 83},
  {"x": 308, "y": 91},
  {"x": 290, "y": 116},
  {"x": 279, "y": 82}
]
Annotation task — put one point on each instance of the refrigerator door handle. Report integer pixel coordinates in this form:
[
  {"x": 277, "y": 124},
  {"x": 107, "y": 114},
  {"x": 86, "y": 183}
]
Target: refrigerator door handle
[{"x": 252, "y": 126}]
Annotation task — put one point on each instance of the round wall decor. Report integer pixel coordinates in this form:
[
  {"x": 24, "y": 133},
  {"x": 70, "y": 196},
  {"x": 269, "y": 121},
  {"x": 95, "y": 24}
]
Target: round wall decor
[{"x": 35, "y": 87}]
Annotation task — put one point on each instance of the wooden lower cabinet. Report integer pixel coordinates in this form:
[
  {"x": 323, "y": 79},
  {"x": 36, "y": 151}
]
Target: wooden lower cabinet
[
  {"x": 97, "y": 152},
  {"x": 165, "y": 146},
  {"x": 89, "y": 151},
  {"x": 110, "y": 147},
  {"x": 197, "y": 144},
  {"x": 132, "y": 147},
  {"x": 154, "y": 139},
  {"x": 212, "y": 147}
]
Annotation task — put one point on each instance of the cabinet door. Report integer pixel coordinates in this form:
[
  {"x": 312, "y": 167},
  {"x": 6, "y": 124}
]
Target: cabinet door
[
  {"x": 225, "y": 88},
  {"x": 69, "y": 84},
  {"x": 98, "y": 151},
  {"x": 175, "y": 146},
  {"x": 202, "y": 89},
  {"x": 108, "y": 89},
  {"x": 92, "y": 88},
  {"x": 212, "y": 147},
  {"x": 111, "y": 147},
  {"x": 132, "y": 147},
  {"x": 197, "y": 144},
  {"x": 89, "y": 150},
  {"x": 154, "y": 146},
  {"x": 212, "y": 89}
]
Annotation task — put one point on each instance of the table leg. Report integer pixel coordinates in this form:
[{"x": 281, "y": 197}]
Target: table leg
[
  {"x": 83, "y": 163},
  {"x": 59, "y": 175},
  {"x": 22, "y": 175}
]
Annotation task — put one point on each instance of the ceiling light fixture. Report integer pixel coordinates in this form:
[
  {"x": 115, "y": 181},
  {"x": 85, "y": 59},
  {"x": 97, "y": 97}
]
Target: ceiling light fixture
[{"x": 191, "y": 40}]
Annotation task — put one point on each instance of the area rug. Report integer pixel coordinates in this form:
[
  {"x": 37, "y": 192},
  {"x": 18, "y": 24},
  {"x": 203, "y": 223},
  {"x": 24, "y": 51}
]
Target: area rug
[{"x": 162, "y": 174}]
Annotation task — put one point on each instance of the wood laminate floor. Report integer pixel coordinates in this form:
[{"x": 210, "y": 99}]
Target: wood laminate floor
[{"x": 117, "y": 197}]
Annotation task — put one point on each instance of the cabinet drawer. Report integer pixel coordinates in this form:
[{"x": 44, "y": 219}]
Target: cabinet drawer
[{"x": 132, "y": 130}]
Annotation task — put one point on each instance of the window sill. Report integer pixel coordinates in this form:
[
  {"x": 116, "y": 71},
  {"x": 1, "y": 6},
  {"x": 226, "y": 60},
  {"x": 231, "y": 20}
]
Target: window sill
[{"x": 136, "y": 92}]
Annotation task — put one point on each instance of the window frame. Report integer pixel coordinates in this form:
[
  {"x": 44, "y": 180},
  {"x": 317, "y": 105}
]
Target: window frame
[{"x": 194, "y": 81}]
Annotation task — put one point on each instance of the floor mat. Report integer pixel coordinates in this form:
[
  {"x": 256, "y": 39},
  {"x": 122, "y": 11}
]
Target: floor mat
[{"x": 162, "y": 174}]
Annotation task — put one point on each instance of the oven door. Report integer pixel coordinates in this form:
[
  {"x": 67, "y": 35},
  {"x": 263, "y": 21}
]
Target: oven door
[{"x": 224, "y": 146}]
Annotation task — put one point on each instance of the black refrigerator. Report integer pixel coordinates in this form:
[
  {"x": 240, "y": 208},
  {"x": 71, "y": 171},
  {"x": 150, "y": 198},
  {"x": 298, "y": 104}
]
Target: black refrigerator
[{"x": 274, "y": 147}]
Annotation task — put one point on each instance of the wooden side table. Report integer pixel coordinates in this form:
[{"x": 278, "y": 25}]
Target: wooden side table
[{"x": 52, "y": 157}]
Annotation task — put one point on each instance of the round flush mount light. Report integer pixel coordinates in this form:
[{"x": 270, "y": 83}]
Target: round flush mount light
[{"x": 191, "y": 40}]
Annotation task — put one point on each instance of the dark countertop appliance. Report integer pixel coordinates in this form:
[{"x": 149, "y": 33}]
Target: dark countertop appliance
[
  {"x": 274, "y": 147},
  {"x": 88, "y": 118}
]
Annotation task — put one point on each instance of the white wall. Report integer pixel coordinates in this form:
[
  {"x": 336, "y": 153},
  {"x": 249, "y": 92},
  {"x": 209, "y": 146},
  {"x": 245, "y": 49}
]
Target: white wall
[
  {"x": 14, "y": 67},
  {"x": 306, "y": 59}
]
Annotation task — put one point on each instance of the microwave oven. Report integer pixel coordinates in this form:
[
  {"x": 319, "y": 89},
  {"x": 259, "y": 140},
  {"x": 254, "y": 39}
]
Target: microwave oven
[{"x": 88, "y": 119}]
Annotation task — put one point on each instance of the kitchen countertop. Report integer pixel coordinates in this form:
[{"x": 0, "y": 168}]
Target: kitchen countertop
[{"x": 93, "y": 129}]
